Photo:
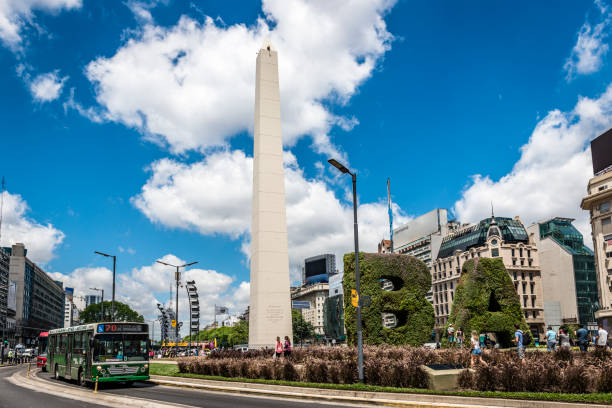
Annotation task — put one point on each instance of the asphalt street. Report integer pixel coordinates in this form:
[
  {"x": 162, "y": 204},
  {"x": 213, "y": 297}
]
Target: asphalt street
[
  {"x": 12, "y": 396},
  {"x": 189, "y": 397}
]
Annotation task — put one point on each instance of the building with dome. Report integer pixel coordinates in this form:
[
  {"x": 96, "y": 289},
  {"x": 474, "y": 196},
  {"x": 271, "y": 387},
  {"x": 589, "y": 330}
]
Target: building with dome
[{"x": 494, "y": 237}]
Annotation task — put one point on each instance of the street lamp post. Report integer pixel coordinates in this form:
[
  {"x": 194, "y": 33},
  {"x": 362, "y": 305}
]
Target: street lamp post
[
  {"x": 344, "y": 170},
  {"x": 101, "y": 302},
  {"x": 177, "y": 276},
  {"x": 113, "y": 299}
]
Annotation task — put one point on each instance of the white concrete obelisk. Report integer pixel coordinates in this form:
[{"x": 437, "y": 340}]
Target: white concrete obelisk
[{"x": 270, "y": 303}]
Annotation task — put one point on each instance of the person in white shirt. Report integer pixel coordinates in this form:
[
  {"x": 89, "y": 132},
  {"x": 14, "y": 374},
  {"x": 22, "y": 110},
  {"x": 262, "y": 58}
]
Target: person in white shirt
[
  {"x": 476, "y": 353},
  {"x": 601, "y": 340}
]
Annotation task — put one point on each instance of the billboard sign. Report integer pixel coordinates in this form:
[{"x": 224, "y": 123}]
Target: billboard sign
[
  {"x": 601, "y": 151},
  {"x": 420, "y": 227},
  {"x": 298, "y": 304},
  {"x": 12, "y": 296}
]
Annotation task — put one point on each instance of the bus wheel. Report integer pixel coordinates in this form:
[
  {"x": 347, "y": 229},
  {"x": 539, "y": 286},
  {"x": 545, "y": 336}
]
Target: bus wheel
[
  {"x": 44, "y": 369},
  {"x": 56, "y": 373},
  {"x": 129, "y": 383}
]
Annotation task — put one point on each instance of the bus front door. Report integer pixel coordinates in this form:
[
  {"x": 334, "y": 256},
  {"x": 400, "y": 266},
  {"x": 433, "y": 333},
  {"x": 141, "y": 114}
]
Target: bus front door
[{"x": 69, "y": 345}]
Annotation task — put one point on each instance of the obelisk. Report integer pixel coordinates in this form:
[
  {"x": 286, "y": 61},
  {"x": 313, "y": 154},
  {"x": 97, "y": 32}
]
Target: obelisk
[{"x": 270, "y": 303}]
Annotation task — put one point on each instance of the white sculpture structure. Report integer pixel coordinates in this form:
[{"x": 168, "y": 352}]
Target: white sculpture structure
[{"x": 270, "y": 302}]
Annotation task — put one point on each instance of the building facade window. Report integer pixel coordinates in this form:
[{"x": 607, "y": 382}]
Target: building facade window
[{"x": 606, "y": 221}]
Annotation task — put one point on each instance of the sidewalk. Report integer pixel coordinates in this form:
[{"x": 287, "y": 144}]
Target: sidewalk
[{"x": 358, "y": 397}]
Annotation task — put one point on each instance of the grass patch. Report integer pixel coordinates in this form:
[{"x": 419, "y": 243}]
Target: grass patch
[
  {"x": 594, "y": 398},
  {"x": 163, "y": 369}
]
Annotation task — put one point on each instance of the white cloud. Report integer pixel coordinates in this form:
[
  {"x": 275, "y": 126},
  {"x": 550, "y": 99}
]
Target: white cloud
[
  {"x": 204, "y": 73},
  {"x": 47, "y": 87},
  {"x": 214, "y": 197},
  {"x": 143, "y": 288},
  {"x": 15, "y": 15},
  {"x": 40, "y": 240},
  {"x": 142, "y": 9},
  {"x": 590, "y": 48},
  {"x": 551, "y": 176}
]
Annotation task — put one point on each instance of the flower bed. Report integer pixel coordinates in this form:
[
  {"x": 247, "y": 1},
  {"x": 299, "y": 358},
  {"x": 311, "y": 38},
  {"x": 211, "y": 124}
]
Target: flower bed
[{"x": 401, "y": 367}]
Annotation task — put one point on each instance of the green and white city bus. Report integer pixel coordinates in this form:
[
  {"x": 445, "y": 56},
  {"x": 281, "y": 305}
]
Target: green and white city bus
[{"x": 110, "y": 351}]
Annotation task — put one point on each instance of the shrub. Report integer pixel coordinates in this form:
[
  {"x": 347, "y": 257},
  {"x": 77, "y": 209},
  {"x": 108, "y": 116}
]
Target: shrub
[
  {"x": 486, "y": 301},
  {"x": 412, "y": 281},
  {"x": 395, "y": 366},
  {"x": 604, "y": 381},
  {"x": 574, "y": 380},
  {"x": 465, "y": 380}
]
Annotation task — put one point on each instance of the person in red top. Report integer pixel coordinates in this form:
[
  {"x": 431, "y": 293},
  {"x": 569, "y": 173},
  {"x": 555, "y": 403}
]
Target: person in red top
[
  {"x": 279, "y": 347},
  {"x": 287, "y": 347}
]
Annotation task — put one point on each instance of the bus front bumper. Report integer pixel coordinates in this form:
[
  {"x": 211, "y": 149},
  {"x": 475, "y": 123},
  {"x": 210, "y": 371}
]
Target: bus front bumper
[{"x": 122, "y": 378}]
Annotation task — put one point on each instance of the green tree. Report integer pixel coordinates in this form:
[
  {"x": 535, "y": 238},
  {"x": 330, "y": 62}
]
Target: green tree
[
  {"x": 226, "y": 336},
  {"x": 302, "y": 330},
  {"x": 123, "y": 313}
]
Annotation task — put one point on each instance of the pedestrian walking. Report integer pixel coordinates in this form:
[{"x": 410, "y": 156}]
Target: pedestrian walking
[
  {"x": 518, "y": 339},
  {"x": 582, "y": 338},
  {"x": 287, "y": 347},
  {"x": 564, "y": 339},
  {"x": 450, "y": 334},
  {"x": 551, "y": 339},
  {"x": 279, "y": 347},
  {"x": 601, "y": 340},
  {"x": 460, "y": 337},
  {"x": 476, "y": 353}
]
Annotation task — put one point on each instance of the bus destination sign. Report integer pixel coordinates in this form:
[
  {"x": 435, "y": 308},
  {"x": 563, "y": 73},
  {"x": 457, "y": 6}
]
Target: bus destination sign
[{"x": 121, "y": 328}]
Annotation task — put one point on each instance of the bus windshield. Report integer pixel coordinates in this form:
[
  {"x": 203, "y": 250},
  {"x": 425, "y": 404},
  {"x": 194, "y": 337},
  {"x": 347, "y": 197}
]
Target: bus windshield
[{"x": 120, "y": 347}]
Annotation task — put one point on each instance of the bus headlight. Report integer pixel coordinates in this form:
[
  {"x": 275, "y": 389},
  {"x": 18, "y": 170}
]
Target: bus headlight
[
  {"x": 98, "y": 368},
  {"x": 146, "y": 366}
]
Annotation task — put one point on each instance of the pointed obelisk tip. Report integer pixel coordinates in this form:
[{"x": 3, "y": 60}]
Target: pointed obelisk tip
[{"x": 267, "y": 45}]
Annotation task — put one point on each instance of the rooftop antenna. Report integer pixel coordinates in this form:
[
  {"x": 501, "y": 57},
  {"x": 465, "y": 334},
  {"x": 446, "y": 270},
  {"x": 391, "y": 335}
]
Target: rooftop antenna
[
  {"x": 492, "y": 213},
  {"x": 1, "y": 207},
  {"x": 390, "y": 212}
]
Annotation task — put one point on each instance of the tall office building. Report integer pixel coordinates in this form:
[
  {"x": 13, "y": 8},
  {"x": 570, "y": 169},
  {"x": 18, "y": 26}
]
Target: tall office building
[
  {"x": 318, "y": 269},
  {"x": 598, "y": 202},
  {"x": 4, "y": 285},
  {"x": 39, "y": 299},
  {"x": 315, "y": 294},
  {"x": 495, "y": 237},
  {"x": 92, "y": 300},
  {"x": 421, "y": 238},
  {"x": 569, "y": 281}
]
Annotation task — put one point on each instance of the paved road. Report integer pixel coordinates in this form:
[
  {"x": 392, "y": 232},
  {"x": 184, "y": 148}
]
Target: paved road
[
  {"x": 193, "y": 397},
  {"x": 12, "y": 396}
]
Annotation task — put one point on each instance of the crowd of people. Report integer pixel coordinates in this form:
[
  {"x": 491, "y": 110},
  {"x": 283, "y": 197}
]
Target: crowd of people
[{"x": 559, "y": 339}]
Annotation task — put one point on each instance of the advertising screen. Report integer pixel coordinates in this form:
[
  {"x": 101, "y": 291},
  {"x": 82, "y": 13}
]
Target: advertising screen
[
  {"x": 314, "y": 268},
  {"x": 601, "y": 151}
]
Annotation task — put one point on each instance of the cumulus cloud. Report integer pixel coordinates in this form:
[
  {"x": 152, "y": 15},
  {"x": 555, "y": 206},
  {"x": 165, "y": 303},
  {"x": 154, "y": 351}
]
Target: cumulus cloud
[
  {"x": 144, "y": 287},
  {"x": 15, "y": 15},
  {"x": 204, "y": 73},
  {"x": 47, "y": 87},
  {"x": 214, "y": 197},
  {"x": 590, "y": 48},
  {"x": 551, "y": 176},
  {"x": 41, "y": 240}
]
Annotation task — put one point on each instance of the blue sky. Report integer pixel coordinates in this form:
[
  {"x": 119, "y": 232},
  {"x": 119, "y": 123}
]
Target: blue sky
[{"x": 126, "y": 125}]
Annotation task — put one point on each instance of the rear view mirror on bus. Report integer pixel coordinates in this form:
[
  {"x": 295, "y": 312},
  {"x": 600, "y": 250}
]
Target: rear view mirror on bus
[{"x": 91, "y": 342}]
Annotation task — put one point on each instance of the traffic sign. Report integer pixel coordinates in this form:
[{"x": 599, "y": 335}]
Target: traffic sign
[
  {"x": 173, "y": 323},
  {"x": 354, "y": 298},
  {"x": 366, "y": 301},
  {"x": 592, "y": 326},
  {"x": 299, "y": 304}
]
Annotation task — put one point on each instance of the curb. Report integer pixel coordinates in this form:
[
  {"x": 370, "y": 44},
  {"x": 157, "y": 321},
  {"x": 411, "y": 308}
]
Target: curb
[
  {"x": 358, "y": 397},
  {"x": 47, "y": 387}
]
